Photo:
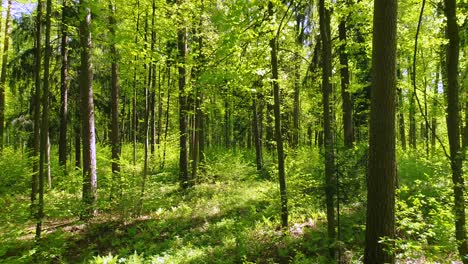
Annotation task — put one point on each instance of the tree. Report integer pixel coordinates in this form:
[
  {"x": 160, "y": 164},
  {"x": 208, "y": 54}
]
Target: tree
[
  {"x": 44, "y": 153},
  {"x": 3, "y": 75},
  {"x": 183, "y": 104},
  {"x": 327, "y": 92},
  {"x": 115, "y": 135},
  {"x": 380, "y": 220},
  {"x": 87, "y": 113},
  {"x": 453, "y": 125},
  {"x": 278, "y": 133},
  {"x": 64, "y": 83}
]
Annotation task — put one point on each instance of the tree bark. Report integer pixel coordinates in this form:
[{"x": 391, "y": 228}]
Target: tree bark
[
  {"x": 87, "y": 114},
  {"x": 380, "y": 220},
  {"x": 453, "y": 125},
  {"x": 412, "y": 122},
  {"x": 115, "y": 137},
  {"x": 278, "y": 133},
  {"x": 36, "y": 108},
  {"x": 6, "y": 45},
  {"x": 64, "y": 89},
  {"x": 327, "y": 92},
  {"x": 183, "y": 104},
  {"x": 345, "y": 95},
  {"x": 401, "y": 115},
  {"x": 44, "y": 153}
]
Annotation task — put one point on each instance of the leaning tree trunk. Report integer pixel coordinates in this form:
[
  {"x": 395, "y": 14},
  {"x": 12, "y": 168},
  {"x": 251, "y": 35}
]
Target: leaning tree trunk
[
  {"x": 453, "y": 124},
  {"x": 87, "y": 115},
  {"x": 278, "y": 133},
  {"x": 380, "y": 220},
  {"x": 327, "y": 92}
]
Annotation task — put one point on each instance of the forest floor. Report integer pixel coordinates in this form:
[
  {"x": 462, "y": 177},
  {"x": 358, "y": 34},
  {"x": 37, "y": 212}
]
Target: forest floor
[{"x": 230, "y": 216}]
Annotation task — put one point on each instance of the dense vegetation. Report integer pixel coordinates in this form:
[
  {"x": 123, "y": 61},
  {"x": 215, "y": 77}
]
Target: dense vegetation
[{"x": 209, "y": 131}]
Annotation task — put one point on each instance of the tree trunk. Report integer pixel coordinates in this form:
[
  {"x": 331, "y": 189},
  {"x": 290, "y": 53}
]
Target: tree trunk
[
  {"x": 64, "y": 89},
  {"x": 345, "y": 95},
  {"x": 278, "y": 133},
  {"x": 453, "y": 125},
  {"x": 412, "y": 121},
  {"x": 115, "y": 90},
  {"x": 36, "y": 108},
  {"x": 327, "y": 92},
  {"x": 401, "y": 115},
  {"x": 256, "y": 132},
  {"x": 87, "y": 115},
  {"x": 43, "y": 155},
  {"x": 380, "y": 220},
  {"x": 115, "y": 137},
  {"x": 6, "y": 45},
  {"x": 183, "y": 104},
  {"x": 434, "y": 111}
]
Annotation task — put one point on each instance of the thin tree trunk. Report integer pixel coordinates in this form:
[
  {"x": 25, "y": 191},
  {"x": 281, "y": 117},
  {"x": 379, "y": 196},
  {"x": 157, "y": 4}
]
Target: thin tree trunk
[
  {"x": 36, "y": 109},
  {"x": 327, "y": 92},
  {"x": 256, "y": 133},
  {"x": 64, "y": 89},
  {"x": 453, "y": 124},
  {"x": 401, "y": 119},
  {"x": 434, "y": 111},
  {"x": 278, "y": 133},
  {"x": 43, "y": 155},
  {"x": 380, "y": 220},
  {"x": 166, "y": 126},
  {"x": 412, "y": 121},
  {"x": 115, "y": 135},
  {"x": 6, "y": 45},
  {"x": 87, "y": 111},
  {"x": 183, "y": 104}
]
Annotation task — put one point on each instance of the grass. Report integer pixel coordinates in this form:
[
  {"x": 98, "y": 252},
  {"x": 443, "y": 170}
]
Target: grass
[{"x": 230, "y": 216}]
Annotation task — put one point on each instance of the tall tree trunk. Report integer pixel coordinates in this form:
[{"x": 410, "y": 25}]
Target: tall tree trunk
[
  {"x": 345, "y": 95},
  {"x": 153, "y": 82},
  {"x": 6, "y": 45},
  {"x": 43, "y": 155},
  {"x": 64, "y": 89},
  {"x": 380, "y": 220},
  {"x": 115, "y": 135},
  {"x": 401, "y": 113},
  {"x": 183, "y": 104},
  {"x": 36, "y": 108},
  {"x": 434, "y": 111},
  {"x": 412, "y": 121},
  {"x": 453, "y": 125},
  {"x": 134, "y": 97},
  {"x": 327, "y": 92},
  {"x": 278, "y": 133},
  {"x": 87, "y": 114}
]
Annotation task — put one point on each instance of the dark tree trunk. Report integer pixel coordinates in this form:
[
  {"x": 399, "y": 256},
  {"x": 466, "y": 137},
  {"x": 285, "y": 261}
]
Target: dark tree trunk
[
  {"x": 36, "y": 108},
  {"x": 434, "y": 112},
  {"x": 278, "y": 133},
  {"x": 43, "y": 155},
  {"x": 6, "y": 45},
  {"x": 183, "y": 105},
  {"x": 87, "y": 115},
  {"x": 412, "y": 122},
  {"x": 401, "y": 114},
  {"x": 380, "y": 220},
  {"x": 345, "y": 95},
  {"x": 327, "y": 92},
  {"x": 453, "y": 125},
  {"x": 64, "y": 89}
]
